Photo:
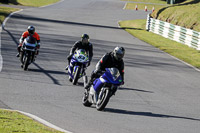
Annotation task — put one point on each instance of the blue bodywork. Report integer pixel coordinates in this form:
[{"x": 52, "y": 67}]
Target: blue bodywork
[
  {"x": 74, "y": 63},
  {"x": 108, "y": 78}
]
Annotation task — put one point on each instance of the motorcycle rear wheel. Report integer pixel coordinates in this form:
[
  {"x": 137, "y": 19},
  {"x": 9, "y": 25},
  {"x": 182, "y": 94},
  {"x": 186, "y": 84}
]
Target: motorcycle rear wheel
[{"x": 85, "y": 100}]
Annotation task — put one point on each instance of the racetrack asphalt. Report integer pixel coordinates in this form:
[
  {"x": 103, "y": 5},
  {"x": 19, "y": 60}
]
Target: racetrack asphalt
[{"x": 160, "y": 95}]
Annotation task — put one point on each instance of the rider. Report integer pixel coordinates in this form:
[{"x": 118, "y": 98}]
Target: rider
[
  {"x": 109, "y": 60},
  {"x": 30, "y": 32},
  {"x": 83, "y": 44}
]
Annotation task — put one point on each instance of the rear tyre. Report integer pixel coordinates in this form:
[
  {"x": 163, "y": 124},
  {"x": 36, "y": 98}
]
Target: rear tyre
[
  {"x": 85, "y": 100},
  {"x": 76, "y": 76},
  {"x": 103, "y": 98}
]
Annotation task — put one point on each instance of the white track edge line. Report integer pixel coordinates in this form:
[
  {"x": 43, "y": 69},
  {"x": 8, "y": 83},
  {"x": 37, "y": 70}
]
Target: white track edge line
[
  {"x": 52, "y": 4},
  {"x": 124, "y": 8},
  {"x": 1, "y": 59},
  {"x": 1, "y": 66},
  {"x": 2, "y": 27},
  {"x": 40, "y": 120},
  {"x": 169, "y": 54}
]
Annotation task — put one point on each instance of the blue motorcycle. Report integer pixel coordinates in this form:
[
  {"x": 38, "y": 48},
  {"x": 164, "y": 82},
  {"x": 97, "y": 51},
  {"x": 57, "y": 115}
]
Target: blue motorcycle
[
  {"x": 78, "y": 65},
  {"x": 102, "y": 89}
]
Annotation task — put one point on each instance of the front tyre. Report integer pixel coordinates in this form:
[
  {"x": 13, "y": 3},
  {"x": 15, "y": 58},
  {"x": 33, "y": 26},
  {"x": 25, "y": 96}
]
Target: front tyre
[
  {"x": 103, "y": 98},
  {"x": 21, "y": 57},
  {"x": 76, "y": 75},
  {"x": 26, "y": 62}
]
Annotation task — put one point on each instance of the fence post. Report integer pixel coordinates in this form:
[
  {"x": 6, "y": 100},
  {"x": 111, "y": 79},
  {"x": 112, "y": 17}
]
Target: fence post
[{"x": 148, "y": 23}]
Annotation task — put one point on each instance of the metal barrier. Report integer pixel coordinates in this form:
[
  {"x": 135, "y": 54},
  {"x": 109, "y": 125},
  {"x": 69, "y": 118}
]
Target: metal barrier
[{"x": 177, "y": 33}]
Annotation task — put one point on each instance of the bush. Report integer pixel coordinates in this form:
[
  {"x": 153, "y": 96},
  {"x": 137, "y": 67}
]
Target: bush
[{"x": 4, "y": 1}]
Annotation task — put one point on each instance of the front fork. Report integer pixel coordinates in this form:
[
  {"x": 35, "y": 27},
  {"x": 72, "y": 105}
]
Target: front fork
[{"x": 72, "y": 70}]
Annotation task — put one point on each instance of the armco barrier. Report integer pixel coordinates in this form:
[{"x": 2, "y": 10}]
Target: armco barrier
[{"x": 177, "y": 33}]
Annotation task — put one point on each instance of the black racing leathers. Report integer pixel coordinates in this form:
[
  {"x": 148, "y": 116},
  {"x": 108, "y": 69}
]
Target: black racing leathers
[
  {"x": 88, "y": 47},
  {"x": 108, "y": 61}
]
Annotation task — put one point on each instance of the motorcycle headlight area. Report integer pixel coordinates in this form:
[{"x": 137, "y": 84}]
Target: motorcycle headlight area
[
  {"x": 115, "y": 73},
  {"x": 81, "y": 57}
]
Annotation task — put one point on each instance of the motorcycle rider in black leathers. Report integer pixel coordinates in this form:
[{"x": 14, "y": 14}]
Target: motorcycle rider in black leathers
[
  {"x": 109, "y": 60},
  {"x": 83, "y": 44}
]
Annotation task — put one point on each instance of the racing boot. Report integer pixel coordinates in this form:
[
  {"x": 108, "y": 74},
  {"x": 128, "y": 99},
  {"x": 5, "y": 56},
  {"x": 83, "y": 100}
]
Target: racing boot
[
  {"x": 18, "y": 49},
  {"x": 66, "y": 68},
  {"x": 88, "y": 85}
]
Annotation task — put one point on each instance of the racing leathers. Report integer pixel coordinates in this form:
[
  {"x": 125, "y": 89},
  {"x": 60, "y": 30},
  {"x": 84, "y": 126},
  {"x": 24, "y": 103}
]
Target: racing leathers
[
  {"x": 25, "y": 35},
  {"x": 79, "y": 45},
  {"x": 107, "y": 61}
]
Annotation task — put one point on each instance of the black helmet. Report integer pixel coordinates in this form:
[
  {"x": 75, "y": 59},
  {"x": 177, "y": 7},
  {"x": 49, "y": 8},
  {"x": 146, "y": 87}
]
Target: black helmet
[
  {"x": 119, "y": 53},
  {"x": 31, "y": 30},
  {"x": 85, "y": 39},
  {"x": 85, "y": 36}
]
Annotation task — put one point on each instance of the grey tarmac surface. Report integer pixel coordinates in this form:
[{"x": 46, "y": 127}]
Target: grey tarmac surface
[{"x": 160, "y": 95}]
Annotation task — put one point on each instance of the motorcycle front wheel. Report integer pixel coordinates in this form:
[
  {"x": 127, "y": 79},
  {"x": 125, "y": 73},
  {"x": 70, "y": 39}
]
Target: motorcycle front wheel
[
  {"x": 26, "y": 62},
  {"x": 76, "y": 75},
  {"x": 103, "y": 98},
  {"x": 22, "y": 57}
]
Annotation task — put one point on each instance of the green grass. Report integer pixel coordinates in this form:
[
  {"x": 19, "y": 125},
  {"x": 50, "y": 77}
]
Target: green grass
[
  {"x": 183, "y": 52},
  {"x": 11, "y": 121},
  {"x": 141, "y": 6},
  {"x": 4, "y": 12},
  {"x": 149, "y": 1},
  {"x": 186, "y": 14},
  {"x": 34, "y": 3}
]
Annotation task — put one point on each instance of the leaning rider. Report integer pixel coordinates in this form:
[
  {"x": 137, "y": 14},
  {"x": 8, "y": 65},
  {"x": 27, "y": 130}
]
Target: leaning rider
[
  {"x": 109, "y": 60},
  {"x": 30, "y": 32},
  {"x": 83, "y": 44}
]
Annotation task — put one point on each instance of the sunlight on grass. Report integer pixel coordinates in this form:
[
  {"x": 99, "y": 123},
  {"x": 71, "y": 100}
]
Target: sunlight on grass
[
  {"x": 181, "y": 51},
  {"x": 36, "y": 3},
  {"x": 11, "y": 121},
  {"x": 4, "y": 12}
]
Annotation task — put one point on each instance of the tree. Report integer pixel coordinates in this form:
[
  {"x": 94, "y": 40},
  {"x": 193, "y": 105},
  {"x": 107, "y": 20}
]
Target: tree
[{"x": 4, "y": 1}]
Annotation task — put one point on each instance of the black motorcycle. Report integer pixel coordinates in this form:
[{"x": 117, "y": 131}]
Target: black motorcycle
[{"x": 27, "y": 52}]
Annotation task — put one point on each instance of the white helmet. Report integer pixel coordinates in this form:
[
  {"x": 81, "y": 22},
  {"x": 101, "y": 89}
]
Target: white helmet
[{"x": 119, "y": 53}]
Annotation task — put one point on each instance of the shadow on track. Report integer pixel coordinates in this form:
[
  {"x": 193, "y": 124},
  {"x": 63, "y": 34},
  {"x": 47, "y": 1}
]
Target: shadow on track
[
  {"x": 12, "y": 36},
  {"x": 47, "y": 71},
  {"x": 55, "y": 81},
  {"x": 132, "y": 89},
  {"x": 149, "y": 114},
  {"x": 62, "y": 22}
]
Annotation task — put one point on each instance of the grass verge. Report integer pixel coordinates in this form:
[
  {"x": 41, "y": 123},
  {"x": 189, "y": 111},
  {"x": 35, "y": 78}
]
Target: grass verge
[
  {"x": 141, "y": 6},
  {"x": 185, "y": 14},
  {"x": 149, "y": 1},
  {"x": 183, "y": 52},
  {"x": 5, "y": 11},
  {"x": 11, "y": 121},
  {"x": 34, "y": 3}
]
